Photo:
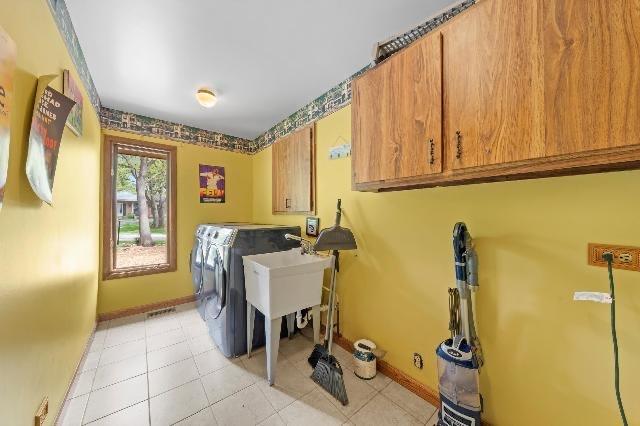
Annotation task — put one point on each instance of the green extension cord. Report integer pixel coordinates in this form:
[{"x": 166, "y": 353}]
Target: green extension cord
[{"x": 608, "y": 257}]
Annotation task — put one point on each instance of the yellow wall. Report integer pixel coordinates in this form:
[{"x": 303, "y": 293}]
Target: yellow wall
[
  {"x": 127, "y": 292},
  {"x": 548, "y": 359},
  {"x": 48, "y": 255}
]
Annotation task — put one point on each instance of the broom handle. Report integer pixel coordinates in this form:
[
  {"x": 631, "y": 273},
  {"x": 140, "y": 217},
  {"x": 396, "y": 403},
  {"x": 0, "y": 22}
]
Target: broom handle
[
  {"x": 332, "y": 298},
  {"x": 339, "y": 212}
]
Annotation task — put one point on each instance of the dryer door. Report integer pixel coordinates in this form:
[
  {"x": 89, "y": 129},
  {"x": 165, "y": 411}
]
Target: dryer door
[
  {"x": 215, "y": 283},
  {"x": 197, "y": 259}
]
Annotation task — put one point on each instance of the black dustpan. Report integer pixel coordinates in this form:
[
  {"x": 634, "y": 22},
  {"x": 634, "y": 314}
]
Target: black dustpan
[
  {"x": 328, "y": 374},
  {"x": 336, "y": 237}
]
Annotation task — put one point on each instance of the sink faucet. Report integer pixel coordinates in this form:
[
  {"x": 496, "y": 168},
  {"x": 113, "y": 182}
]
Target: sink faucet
[{"x": 306, "y": 246}]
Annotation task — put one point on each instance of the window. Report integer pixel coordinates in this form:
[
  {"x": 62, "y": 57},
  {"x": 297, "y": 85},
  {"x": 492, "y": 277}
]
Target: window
[{"x": 139, "y": 211}]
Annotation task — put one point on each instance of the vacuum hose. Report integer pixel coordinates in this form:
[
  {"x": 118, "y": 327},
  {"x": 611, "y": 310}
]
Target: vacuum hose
[
  {"x": 466, "y": 269},
  {"x": 454, "y": 312},
  {"x": 460, "y": 267}
]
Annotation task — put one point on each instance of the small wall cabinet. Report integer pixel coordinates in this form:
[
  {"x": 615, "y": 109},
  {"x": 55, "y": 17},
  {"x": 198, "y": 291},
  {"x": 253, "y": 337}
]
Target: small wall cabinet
[
  {"x": 508, "y": 89},
  {"x": 293, "y": 173}
]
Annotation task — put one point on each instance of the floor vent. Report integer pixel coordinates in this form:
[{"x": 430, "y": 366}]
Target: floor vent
[{"x": 160, "y": 312}]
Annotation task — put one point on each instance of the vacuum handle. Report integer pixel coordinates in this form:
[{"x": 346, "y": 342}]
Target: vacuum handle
[{"x": 457, "y": 342}]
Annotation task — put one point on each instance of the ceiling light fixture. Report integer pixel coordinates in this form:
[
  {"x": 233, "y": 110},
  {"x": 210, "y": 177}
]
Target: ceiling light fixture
[{"x": 206, "y": 98}]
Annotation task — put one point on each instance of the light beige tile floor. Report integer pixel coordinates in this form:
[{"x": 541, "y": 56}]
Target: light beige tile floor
[{"x": 166, "y": 370}]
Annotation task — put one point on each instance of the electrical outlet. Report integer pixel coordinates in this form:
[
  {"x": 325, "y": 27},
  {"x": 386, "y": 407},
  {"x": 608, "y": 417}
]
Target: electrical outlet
[
  {"x": 624, "y": 257},
  {"x": 42, "y": 412},
  {"x": 417, "y": 360}
]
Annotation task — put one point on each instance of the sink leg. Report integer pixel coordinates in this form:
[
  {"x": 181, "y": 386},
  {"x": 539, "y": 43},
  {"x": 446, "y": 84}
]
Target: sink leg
[
  {"x": 291, "y": 320},
  {"x": 273, "y": 342},
  {"x": 251, "y": 314},
  {"x": 315, "y": 315}
]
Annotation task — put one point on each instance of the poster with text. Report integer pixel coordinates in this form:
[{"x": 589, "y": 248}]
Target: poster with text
[
  {"x": 211, "y": 184},
  {"x": 47, "y": 124},
  {"x": 7, "y": 67},
  {"x": 71, "y": 90}
]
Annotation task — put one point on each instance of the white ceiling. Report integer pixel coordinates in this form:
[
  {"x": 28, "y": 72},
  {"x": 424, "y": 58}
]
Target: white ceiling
[{"x": 264, "y": 58}]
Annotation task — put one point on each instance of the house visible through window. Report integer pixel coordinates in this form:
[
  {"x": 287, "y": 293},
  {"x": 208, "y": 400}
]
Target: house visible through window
[{"x": 139, "y": 222}]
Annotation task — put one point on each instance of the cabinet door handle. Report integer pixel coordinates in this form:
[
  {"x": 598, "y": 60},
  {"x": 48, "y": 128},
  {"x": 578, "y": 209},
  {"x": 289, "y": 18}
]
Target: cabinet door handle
[
  {"x": 458, "y": 144},
  {"x": 287, "y": 203},
  {"x": 432, "y": 152}
]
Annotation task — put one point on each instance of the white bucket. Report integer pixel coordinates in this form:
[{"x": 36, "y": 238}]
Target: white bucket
[{"x": 365, "y": 360}]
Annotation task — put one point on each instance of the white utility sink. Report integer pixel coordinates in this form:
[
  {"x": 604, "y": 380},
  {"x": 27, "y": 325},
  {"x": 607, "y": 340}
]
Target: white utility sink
[
  {"x": 284, "y": 282},
  {"x": 279, "y": 284}
]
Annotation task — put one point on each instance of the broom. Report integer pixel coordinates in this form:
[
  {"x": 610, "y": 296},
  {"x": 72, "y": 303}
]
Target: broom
[
  {"x": 334, "y": 238},
  {"x": 327, "y": 372},
  {"x": 320, "y": 350}
]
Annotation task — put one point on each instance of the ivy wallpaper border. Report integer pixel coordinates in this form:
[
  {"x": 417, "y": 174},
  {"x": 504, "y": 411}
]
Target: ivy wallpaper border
[
  {"x": 65, "y": 27},
  {"x": 329, "y": 102},
  {"x": 129, "y": 122},
  {"x": 340, "y": 95},
  {"x": 324, "y": 105}
]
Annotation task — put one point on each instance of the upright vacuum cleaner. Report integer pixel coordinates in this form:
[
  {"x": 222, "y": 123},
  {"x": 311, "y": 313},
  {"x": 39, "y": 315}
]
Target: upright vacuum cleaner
[{"x": 460, "y": 357}]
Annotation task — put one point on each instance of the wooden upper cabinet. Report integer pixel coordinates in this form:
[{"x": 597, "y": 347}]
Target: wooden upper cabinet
[
  {"x": 508, "y": 89},
  {"x": 592, "y": 73},
  {"x": 293, "y": 173},
  {"x": 280, "y": 174},
  {"x": 494, "y": 84},
  {"x": 397, "y": 116}
]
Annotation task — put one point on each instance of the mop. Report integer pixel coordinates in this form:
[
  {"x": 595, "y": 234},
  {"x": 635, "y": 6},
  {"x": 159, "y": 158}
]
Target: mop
[{"x": 327, "y": 371}]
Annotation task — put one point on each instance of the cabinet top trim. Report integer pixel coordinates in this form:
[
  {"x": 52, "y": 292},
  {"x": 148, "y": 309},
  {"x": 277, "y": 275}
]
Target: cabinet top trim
[{"x": 398, "y": 42}]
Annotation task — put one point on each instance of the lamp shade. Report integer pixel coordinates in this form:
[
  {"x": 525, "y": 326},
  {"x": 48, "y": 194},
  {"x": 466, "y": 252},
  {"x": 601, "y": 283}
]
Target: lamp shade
[{"x": 206, "y": 98}]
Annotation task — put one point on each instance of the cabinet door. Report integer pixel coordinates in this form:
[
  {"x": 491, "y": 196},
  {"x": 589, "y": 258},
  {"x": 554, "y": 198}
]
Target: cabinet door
[
  {"x": 494, "y": 84},
  {"x": 397, "y": 115},
  {"x": 280, "y": 175},
  {"x": 293, "y": 173},
  {"x": 592, "y": 74},
  {"x": 300, "y": 189}
]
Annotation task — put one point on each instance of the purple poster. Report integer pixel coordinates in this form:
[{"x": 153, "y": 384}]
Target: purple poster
[{"x": 211, "y": 184}]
